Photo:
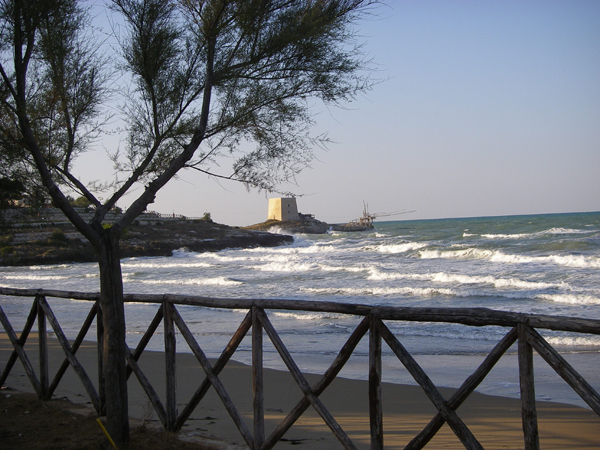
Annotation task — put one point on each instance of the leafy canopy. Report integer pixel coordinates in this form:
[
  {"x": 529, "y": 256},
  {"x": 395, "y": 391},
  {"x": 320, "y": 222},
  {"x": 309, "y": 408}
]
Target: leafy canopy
[{"x": 196, "y": 82}]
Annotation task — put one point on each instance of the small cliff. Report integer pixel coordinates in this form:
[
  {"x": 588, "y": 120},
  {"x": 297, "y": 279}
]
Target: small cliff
[{"x": 47, "y": 238}]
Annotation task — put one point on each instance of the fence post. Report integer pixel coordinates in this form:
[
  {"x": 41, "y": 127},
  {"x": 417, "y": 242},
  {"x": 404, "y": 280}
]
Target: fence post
[
  {"x": 526, "y": 380},
  {"x": 100, "y": 343},
  {"x": 170, "y": 366},
  {"x": 43, "y": 348},
  {"x": 375, "y": 408},
  {"x": 257, "y": 380}
]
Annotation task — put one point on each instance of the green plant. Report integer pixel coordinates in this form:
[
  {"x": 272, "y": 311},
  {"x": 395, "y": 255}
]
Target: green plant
[
  {"x": 6, "y": 250},
  {"x": 57, "y": 237},
  {"x": 207, "y": 217}
]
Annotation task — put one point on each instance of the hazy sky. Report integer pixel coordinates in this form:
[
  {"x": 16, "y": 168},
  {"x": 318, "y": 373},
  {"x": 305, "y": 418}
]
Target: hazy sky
[{"x": 487, "y": 108}]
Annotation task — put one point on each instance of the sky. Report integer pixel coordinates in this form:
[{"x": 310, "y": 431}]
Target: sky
[{"x": 483, "y": 108}]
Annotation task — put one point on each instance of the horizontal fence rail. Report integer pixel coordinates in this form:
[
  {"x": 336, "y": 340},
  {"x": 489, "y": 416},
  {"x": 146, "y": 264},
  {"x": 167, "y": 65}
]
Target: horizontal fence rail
[{"x": 522, "y": 330}]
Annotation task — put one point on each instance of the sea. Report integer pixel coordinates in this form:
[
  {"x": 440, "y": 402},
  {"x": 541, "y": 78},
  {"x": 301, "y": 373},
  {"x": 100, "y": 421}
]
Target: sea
[{"x": 537, "y": 264}]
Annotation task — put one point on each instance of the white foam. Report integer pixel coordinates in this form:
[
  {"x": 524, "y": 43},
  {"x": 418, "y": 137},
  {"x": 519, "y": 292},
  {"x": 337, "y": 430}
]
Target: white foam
[
  {"x": 571, "y": 299},
  {"x": 383, "y": 291},
  {"x": 551, "y": 231},
  {"x": 35, "y": 277},
  {"x": 578, "y": 341},
  {"x": 216, "y": 281},
  {"x": 467, "y": 253},
  {"x": 308, "y": 316},
  {"x": 401, "y": 248},
  {"x": 579, "y": 261},
  {"x": 161, "y": 264}
]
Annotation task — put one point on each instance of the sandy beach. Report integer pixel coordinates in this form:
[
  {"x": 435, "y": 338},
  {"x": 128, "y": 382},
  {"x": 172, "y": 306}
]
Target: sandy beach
[{"x": 495, "y": 421}]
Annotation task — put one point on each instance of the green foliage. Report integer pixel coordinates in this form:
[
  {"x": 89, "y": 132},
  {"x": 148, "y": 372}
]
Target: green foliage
[
  {"x": 82, "y": 202},
  {"x": 10, "y": 190},
  {"x": 6, "y": 250},
  {"x": 57, "y": 238},
  {"x": 207, "y": 217},
  {"x": 220, "y": 86}
]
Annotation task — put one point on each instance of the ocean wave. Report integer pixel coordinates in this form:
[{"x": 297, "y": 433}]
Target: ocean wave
[
  {"x": 308, "y": 316},
  {"x": 160, "y": 264},
  {"x": 216, "y": 281},
  {"x": 571, "y": 299},
  {"x": 579, "y": 261},
  {"x": 36, "y": 277},
  {"x": 382, "y": 291},
  {"x": 286, "y": 267},
  {"x": 401, "y": 248},
  {"x": 574, "y": 341},
  {"x": 551, "y": 231},
  {"x": 467, "y": 253},
  {"x": 442, "y": 277}
]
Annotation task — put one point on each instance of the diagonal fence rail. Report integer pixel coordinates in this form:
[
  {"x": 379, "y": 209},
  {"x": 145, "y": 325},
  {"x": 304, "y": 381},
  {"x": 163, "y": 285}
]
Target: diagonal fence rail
[{"x": 522, "y": 329}]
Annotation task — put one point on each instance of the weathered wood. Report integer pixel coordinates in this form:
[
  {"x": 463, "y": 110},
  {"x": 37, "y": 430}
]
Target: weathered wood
[
  {"x": 565, "y": 370},
  {"x": 466, "y": 389},
  {"x": 43, "y": 353},
  {"x": 139, "y": 349},
  {"x": 74, "y": 347},
  {"x": 226, "y": 355},
  {"x": 526, "y": 381},
  {"x": 258, "y": 403},
  {"x": 446, "y": 410},
  {"x": 375, "y": 405},
  {"x": 100, "y": 340},
  {"x": 170, "y": 365},
  {"x": 148, "y": 389},
  {"x": 64, "y": 343},
  {"x": 457, "y": 425},
  {"x": 22, "y": 339},
  {"x": 328, "y": 377},
  {"x": 214, "y": 379},
  {"x": 466, "y": 316},
  {"x": 21, "y": 353},
  {"x": 302, "y": 383}
]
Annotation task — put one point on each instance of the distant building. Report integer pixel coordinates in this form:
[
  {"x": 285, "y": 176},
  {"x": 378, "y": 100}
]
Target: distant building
[{"x": 283, "y": 209}]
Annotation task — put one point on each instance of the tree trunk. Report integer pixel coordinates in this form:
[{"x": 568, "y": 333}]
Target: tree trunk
[{"x": 114, "y": 355}]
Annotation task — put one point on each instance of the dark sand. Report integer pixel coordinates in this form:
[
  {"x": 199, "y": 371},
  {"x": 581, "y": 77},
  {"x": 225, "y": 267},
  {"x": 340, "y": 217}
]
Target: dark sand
[{"x": 495, "y": 421}]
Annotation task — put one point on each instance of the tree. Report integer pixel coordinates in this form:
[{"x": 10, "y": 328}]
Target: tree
[{"x": 196, "y": 80}]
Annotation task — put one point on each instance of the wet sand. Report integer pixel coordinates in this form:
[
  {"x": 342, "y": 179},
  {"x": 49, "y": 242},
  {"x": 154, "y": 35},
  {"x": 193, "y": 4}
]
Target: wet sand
[{"x": 495, "y": 421}]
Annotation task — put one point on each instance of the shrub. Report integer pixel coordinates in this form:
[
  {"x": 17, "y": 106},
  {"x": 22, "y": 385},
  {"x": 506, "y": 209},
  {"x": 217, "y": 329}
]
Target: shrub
[
  {"x": 6, "y": 250},
  {"x": 57, "y": 237}
]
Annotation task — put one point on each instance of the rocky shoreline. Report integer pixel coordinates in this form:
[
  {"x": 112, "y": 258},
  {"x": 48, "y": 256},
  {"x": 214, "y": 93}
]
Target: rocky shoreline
[{"x": 58, "y": 243}]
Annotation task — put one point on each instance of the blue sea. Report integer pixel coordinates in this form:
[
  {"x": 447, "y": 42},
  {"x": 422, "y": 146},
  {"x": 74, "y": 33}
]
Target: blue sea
[{"x": 540, "y": 264}]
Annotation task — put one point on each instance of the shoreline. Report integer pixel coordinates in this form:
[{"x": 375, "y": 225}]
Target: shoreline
[
  {"x": 60, "y": 243},
  {"x": 494, "y": 420}
]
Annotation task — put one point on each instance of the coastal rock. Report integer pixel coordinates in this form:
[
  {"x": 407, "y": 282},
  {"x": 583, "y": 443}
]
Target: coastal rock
[
  {"x": 307, "y": 226},
  {"x": 27, "y": 243}
]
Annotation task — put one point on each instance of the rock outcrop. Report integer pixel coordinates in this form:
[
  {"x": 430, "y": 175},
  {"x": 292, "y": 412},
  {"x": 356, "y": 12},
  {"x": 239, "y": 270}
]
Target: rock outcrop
[{"x": 38, "y": 241}]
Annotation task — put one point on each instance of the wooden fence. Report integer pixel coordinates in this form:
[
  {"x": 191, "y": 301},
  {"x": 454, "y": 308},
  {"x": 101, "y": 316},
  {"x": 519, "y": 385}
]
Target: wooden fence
[{"x": 522, "y": 328}]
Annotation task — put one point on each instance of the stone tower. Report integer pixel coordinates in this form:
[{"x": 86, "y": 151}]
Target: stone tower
[{"x": 283, "y": 209}]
